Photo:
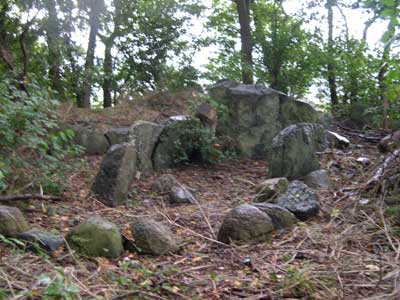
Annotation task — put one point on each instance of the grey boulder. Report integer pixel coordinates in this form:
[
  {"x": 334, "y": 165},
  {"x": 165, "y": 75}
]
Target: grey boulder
[
  {"x": 293, "y": 151},
  {"x": 153, "y": 238},
  {"x": 116, "y": 173},
  {"x": 92, "y": 140},
  {"x": 318, "y": 179},
  {"x": 246, "y": 223},
  {"x": 300, "y": 200},
  {"x": 40, "y": 238},
  {"x": 255, "y": 114}
]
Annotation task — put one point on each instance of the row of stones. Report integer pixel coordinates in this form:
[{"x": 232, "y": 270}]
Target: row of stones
[{"x": 288, "y": 203}]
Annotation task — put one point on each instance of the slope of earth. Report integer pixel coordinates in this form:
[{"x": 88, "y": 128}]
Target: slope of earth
[
  {"x": 152, "y": 107},
  {"x": 347, "y": 252}
]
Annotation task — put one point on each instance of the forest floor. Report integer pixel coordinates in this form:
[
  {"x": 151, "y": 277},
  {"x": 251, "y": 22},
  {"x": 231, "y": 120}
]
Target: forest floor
[{"x": 347, "y": 252}]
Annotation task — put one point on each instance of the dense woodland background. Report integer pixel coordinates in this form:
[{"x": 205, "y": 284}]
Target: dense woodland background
[{"x": 138, "y": 47}]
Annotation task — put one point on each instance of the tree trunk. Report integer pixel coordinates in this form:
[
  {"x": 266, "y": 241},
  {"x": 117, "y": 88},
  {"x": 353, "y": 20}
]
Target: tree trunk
[
  {"x": 89, "y": 64},
  {"x": 107, "y": 69},
  {"x": 54, "y": 56},
  {"x": 331, "y": 64},
  {"x": 243, "y": 9}
]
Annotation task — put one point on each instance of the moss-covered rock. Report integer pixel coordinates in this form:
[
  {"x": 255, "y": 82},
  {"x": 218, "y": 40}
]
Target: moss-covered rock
[
  {"x": 96, "y": 237},
  {"x": 153, "y": 238},
  {"x": 12, "y": 221}
]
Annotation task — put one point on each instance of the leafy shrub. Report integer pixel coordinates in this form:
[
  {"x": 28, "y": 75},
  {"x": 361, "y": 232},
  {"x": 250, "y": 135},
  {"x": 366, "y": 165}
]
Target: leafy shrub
[
  {"x": 194, "y": 143},
  {"x": 32, "y": 147}
]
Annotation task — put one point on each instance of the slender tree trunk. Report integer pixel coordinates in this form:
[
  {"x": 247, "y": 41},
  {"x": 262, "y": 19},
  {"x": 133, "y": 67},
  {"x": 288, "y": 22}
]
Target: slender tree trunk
[
  {"x": 108, "y": 73},
  {"x": 331, "y": 64},
  {"x": 89, "y": 64},
  {"x": 53, "y": 43},
  {"x": 243, "y": 9}
]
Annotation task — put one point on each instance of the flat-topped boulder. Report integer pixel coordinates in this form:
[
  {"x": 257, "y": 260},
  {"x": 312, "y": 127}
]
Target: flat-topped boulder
[{"x": 256, "y": 114}]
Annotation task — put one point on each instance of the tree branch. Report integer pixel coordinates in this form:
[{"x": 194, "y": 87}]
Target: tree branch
[{"x": 29, "y": 197}]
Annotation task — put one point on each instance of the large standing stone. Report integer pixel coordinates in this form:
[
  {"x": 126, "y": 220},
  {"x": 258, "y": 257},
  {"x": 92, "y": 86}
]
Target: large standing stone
[
  {"x": 270, "y": 188},
  {"x": 293, "y": 151},
  {"x": 96, "y": 237},
  {"x": 145, "y": 134},
  {"x": 153, "y": 238},
  {"x": 246, "y": 223},
  {"x": 116, "y": 173},
  {"x": 299, "y": 199},
  {"x": 92, "y": 140},
  {"x": 255, "y": 114},
  {"x": 12, "y": 221}
]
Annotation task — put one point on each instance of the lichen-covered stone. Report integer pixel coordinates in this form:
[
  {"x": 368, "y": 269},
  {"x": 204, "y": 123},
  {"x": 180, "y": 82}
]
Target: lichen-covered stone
[
  {"x": 270, "y": 188},
  {"x": 293, "y": 151},
  {"x": 145, "y": 135},
  {"x": 96, "y": 237},
  {"x": 12, "y": 221},
  {"x": 318, "y": 179},
  {"x": 255, "y": 114},
  {"x": 300, "y": 200},
  {"x": 246, "y": 223},
  {"x": 153, "y": 238},
  {"x": 116, "y": 173}
]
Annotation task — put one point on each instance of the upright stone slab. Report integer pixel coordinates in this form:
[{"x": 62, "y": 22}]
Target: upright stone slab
[
  {"x": 256, "y": 114},
  {"x": 116, "y": 173},
  {"x": 293, "y": 151},
  {"x": 145, "y": 134}
]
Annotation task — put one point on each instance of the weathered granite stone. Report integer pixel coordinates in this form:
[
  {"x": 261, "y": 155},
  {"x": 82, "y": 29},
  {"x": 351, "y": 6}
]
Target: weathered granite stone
[
  {"x": 116, "y": 173},
  {"x": 153, "y": 238}
]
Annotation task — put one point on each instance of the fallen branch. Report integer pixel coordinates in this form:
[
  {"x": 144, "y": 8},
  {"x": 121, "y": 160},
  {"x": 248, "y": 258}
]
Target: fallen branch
[
  {"x": 381, "y": 170},
  {"x": 28, "y": 197}
]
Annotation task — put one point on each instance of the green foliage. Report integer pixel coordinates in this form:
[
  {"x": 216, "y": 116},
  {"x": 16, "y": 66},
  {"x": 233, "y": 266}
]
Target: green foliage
[
  {"x": 194, "y": 143},
  {"x": 59, "y": 288},
  {"x": 32, "y": 148}
]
